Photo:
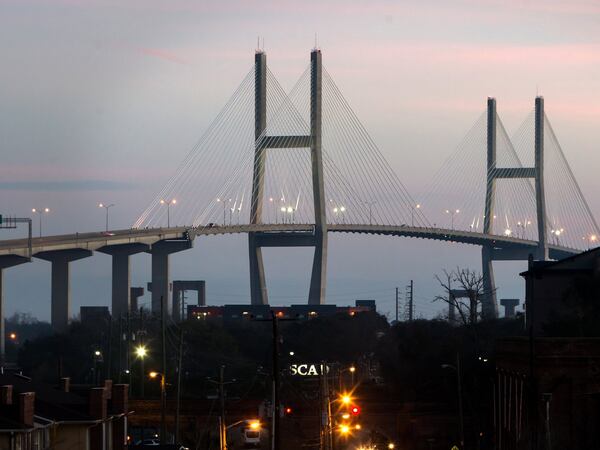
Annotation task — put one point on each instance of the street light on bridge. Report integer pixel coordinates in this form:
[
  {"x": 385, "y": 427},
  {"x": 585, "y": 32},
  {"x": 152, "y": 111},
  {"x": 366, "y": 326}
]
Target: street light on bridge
[
  {"x": 106, "y": 207},
  {"x": 452, "y": 213},
  {"x": 40, "y": 211},
  {"x": 173, "y": 201},
  {"x": 412, "y": 214}
]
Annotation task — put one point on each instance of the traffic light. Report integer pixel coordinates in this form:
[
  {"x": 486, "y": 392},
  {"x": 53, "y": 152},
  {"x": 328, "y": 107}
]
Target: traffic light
[
  {"x": 288, "y": 410},
  {"x": 355, "y": 410}
]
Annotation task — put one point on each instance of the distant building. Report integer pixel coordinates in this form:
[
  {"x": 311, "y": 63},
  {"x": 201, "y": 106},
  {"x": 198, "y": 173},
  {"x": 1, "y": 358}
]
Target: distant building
[
  {"x": 301, "y": 312},
  {"x": 38, "y": 416}
]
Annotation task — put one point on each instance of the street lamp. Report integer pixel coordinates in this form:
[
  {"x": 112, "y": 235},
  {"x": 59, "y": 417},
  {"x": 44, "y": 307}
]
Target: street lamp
[
  {"x": 452, "y": 212},
  {"x": 163, "y": 404},
  {"x": 350, "y": 369},
  {"x": 221, "y": 200},
  {"x": 140, "y": 352},
  {"x": 40, "y": 211},
  {"x": 173, "y": 201},
  {"x": 97, "y": 359},
  {"x": 370, "y": 205},
  {"x": 106, "y": 207},
  {"x": 459, "y": 391},
  {"x": 412, "y": 214}
]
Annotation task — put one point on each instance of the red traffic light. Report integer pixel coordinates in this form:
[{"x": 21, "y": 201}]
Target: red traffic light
[{"x": 355, "y": 410}]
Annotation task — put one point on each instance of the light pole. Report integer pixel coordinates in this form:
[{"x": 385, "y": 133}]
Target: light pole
[
  {"x": 97, "y": 359},
  {"x": 452, "y": 212},
  {"x": 412, "y": 214},
  {"x": 141, "y": 351},
  {"x": 40, "y": 211},
  {"x": 459, "y": 391},
  {"x": 222, "y": 200},
  {"x": 290, "y": 211},
  {"x": 370, "y": 205},
  {"x": 163, "y": 404},
  {"x": 106, "y": 207},
  {"x": 352, "y": 370},
  {"x": 173, "y": 201}
]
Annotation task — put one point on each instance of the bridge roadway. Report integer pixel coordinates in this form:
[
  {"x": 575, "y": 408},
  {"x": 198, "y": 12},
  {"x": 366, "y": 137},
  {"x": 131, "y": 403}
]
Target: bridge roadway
[
  {"x": 61, "y": 250},
  {"x": 505, "y": 247}
]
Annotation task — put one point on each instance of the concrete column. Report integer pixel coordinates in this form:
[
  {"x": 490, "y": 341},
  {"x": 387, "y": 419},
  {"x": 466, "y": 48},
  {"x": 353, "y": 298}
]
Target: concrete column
[
  {"x": 318, "y": 279},
  {"x": 509, "y": 306},
  {"x": 540, "y": 197},
  {"x": 60, "y": 309},
  {"x": 489, "y": 305},
  {"x": 161, "y": 252},
  {"x": 121, "y": 275},
  {"x": 490, "y": 193},
  {"x": 134, "y": 294},
  {"x": 258, "y": 286}
]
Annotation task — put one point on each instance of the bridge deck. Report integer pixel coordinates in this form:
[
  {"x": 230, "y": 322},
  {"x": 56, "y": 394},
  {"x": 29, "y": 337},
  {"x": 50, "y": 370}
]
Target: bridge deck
[{"x": 507, "y": 247}]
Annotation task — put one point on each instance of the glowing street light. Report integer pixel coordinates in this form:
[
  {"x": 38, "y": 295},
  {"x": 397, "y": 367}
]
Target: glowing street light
[
  {"x": 141, "y": 351},
  {"x": 173, "y": 201},
  {"x": 222, "y": 200},
  {"x": 344, "y": 429},
  {"x": 40, "y": 211},
  {"x": 13, "y": 336},
  {"x": 507, "y": 232},
  {"x": 452, "y": 213},
  {"x": 346, "y": 399},
  {"x": 106, "y": 207},
  {"x": 412, "y": 214}
]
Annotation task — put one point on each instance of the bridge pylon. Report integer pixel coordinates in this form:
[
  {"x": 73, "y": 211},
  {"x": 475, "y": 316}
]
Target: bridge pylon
[
  {"x": 489, "y": 303},
  {"x": 318, "y": 237}
]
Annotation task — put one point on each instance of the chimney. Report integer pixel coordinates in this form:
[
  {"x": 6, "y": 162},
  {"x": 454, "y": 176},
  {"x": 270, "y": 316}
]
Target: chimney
[
  {"x": 65, "y": 384},
  {"x": 6, "y": 395},
  {"x": 26, "y": 408},
  {"x": 97, "y": 405},
  {"x": 120, "y": 399},
  {"x": 108, "y": 387}
]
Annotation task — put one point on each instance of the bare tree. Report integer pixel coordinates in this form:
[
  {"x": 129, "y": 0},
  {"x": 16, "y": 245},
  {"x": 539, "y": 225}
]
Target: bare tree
[{"x": 466, "y": 297}]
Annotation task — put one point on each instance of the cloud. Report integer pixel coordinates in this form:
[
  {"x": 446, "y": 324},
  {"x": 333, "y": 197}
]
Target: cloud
[{"x": 66, "y": 185}]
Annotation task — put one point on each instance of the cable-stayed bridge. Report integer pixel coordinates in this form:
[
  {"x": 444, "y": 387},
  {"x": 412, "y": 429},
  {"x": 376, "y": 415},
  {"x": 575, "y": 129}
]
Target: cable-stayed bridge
[{"x": 288, "y": 168}]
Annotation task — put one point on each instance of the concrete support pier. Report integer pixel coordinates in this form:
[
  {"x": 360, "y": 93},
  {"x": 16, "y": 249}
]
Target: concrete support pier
[
  {"x": 134, "y": 294},
  {"x": 489, "y": 304},
  {"x": 179, "y": 288},
  {"x": 161, "y": 252},
  {"x": 5, "y": 263},
  {"x": 61, "y": 287},
  {"x": 121, "y": 275}
]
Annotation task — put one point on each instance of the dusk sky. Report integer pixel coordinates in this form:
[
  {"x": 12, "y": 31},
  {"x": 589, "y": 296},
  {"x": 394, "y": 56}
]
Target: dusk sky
[{"x": 101, "y": 101}]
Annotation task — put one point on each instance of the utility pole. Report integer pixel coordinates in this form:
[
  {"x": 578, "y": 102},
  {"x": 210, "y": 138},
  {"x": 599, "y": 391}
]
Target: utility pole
[
  {"x": 275, "y": 438},
  {"x": 128, "y": 351},
  {"x": 178, "y": 400},
  {"x": 223, "y": 430},
  {"x": 409, "y": 301},
  {"x": 120, "y": 348},
  {"x": 397, "y": 294},
  {"x": 141, "y": 333},
  {"x": 163, "y": 399}
]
